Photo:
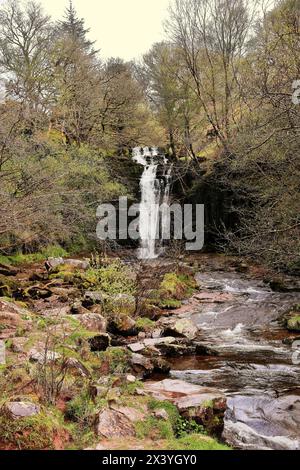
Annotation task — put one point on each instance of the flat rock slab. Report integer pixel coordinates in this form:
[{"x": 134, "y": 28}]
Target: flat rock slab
[
  {"x": 203, "y": 404},
  {"x": 112, "y": 423},
  {"x": 19, "y": 409},
  {"x": 150, "y": 342},
  {"x": 214, "y": 297}
]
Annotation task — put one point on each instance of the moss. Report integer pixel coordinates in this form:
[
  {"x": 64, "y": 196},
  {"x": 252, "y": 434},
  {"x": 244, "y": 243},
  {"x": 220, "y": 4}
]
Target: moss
[
  {"x": 32, "y": 433},
  {"x": 116, "y": 278},
  {"x": 144, "y": 324},
  {"x": 114, "y": 360},
  {"x": 293, "y": 323},
  {"x": 54, "y": 251},
  {"x": 170, "y": 304}
]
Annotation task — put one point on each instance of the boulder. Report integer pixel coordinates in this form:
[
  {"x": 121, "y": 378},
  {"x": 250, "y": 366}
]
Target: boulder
[
  {"x": 161, "y": 414},
  {"x": 92, "y": 298},
  {"x": 123, "y": 325},
  {"x": 100, "y": 342},
  {"x": 122, "y": 304},
  {"x": 75, "y": 263},
  {"x": 93, "y": 322},
  {"x": 20, "y": 409},
  {"x": 129, "y": 412},
  {"x": 150, "y": 343},
  {"x": 141, "y": 365},
  {"x": 113, "y": 424},
  {"x": 204, "y": 405},
  {"x": 42, "y": 357},
  {"x": 182, "y": 327},
  {"x": 78, "y": 263}
]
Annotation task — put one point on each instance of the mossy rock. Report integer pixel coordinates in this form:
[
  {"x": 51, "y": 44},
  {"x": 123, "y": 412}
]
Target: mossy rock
[
  {"x": 293, "y": 323},
  {"x": 37, "y": 432}
]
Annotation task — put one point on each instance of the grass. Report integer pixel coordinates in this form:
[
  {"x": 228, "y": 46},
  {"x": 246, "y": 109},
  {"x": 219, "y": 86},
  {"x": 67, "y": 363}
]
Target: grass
[
  {"x": 196, "y": 442},
  {"x": 16, "y": 259}
]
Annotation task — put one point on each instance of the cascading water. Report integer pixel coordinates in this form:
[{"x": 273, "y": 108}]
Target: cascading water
[{"x": 154, "y": 191}]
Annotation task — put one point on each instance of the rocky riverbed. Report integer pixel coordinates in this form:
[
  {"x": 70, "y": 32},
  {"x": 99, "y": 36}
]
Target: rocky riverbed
[{"x": 210, "y": 335}]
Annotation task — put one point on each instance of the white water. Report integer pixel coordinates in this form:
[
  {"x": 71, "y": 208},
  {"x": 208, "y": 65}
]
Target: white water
[{"x": 153, "y": 193}]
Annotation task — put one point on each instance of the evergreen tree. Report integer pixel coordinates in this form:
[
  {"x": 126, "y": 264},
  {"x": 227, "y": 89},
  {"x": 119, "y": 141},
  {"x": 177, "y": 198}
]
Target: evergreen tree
[{"x": 74, "y": 27}]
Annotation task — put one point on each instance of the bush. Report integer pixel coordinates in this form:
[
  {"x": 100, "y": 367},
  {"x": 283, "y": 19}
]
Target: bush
[{"x": 111, "y": 280}]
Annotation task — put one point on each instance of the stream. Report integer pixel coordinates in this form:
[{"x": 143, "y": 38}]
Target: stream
[
  {"x": 243, "y": 348},
  {"x": 248, "y": 355}
]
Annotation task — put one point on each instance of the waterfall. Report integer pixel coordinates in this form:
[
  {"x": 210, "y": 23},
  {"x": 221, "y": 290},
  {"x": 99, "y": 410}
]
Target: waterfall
[{"x": 155, "y": 190}]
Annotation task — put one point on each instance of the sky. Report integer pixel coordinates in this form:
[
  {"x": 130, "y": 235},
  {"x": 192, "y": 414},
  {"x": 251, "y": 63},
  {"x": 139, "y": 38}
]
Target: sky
[{"x": 122, "y": 28}]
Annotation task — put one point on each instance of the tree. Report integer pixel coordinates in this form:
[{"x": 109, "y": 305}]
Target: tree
[
  {"x": 25, "y": 40},
  {"x": 75, "y": 29},
  {"x": 212, "y": 36}
]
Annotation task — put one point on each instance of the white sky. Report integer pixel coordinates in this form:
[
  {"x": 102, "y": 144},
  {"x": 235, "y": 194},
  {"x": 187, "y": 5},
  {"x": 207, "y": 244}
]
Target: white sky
[{"x": 122, "y": 28}]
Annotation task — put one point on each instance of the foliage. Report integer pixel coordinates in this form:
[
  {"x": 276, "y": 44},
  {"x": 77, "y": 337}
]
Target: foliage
[{"x": 113, "y": 279}]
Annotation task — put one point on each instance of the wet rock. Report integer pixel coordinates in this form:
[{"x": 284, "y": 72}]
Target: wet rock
[
  {"x": 243, "y": 437},
  {"x": 122, "y": 304},
  {"x": 100, "y": 342},
  {"x": 20, "y": 409},
  {"x": 93, "y": 322},
  {"x": 182, "y": 327},
  {"x": 214, "y": 297},
  {"x": 263, "y": 421},
  {"x": 113, "y": 424},
  {"x": 204, "y": 405},
  {"x": 123, "y": 325},
  {"x": 150, "y": 343},
  {"x": 180, "y": 348}
]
